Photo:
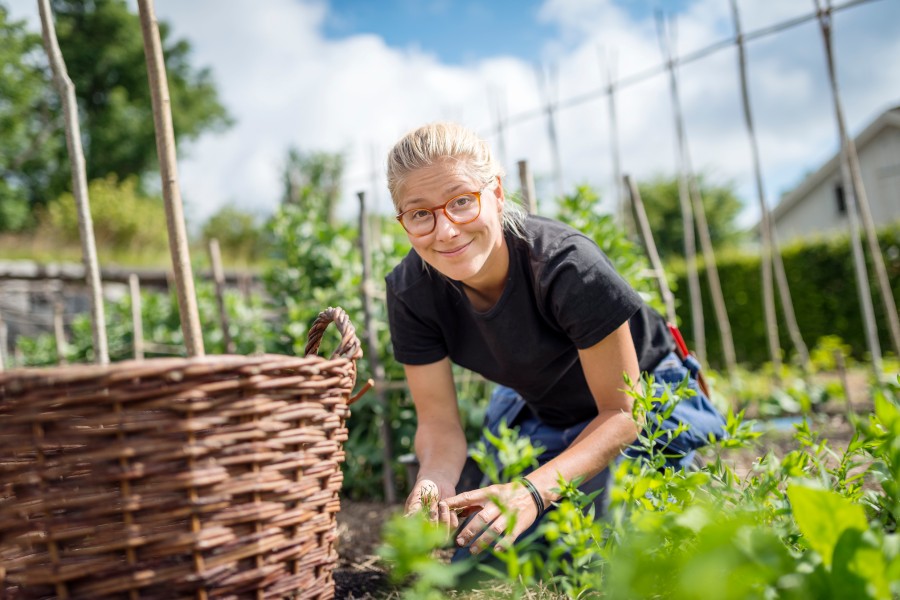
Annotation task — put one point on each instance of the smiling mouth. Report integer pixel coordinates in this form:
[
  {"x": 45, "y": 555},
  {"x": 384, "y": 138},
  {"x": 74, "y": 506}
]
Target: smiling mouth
[{"x": 455, "y": 251}]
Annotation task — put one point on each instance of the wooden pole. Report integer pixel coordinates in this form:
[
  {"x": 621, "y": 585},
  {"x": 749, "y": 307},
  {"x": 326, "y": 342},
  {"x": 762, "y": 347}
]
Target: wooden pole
[
  {"x": 66, "y": 91},
  {"x": 549, "y": 86},
  {"x": 59, "y": 330},
  {"x": 687, "y": 218},
  {"x": 137, "y": 324},
  {"x": 165, "y": 148},
  {"x": 765, "y": 228},
  {"x": 3, "y": 342},
  {"x": 500, "y": 116},
  {"x": 526, "y": 181},
  {"x": 699, "y": 214},
  {"x": 650, "y": 246},
  {"x": 215, "y": 259},
  {"x": 787, "y": 304},
  {"x": 855, "y": 196},
  {"x": 841, "y": 367},
  {"x": 390, "y": 494},
  {"x": 623, "y": 194},
  {"x": 712, "y": 274}
]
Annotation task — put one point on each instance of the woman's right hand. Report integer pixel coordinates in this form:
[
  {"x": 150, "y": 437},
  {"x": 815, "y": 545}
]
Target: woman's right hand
[{"x": 428, "y": 495}]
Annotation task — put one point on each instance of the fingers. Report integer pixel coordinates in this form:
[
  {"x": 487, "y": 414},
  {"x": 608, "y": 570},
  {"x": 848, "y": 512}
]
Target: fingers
[
  {"x": 482, "y": 531},
  {"x": 466, "y": 500},
  {"x": 447, "y": 516},
  {"x": 491, "y": 525}
]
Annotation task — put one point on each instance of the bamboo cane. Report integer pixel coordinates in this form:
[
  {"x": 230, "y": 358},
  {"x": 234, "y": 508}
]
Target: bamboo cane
[
  {"x": 165, "y": 148},
  {"x": 622, "y": 192},
  {"x": 59, "y": 330},
  {"x": 650, "y": 246},
  {"x": 549, "y": 84},
  {"x": 699, "y": 213},
  {"x": 712, "y": 275},
  {"x": 499, "y": 110},
  {"x": 66, "y": 90},
  {"x": 687, "y": 219},
  {"x": 764, "y": 227},
  {"x": 526, "y": 181},
  {"x": 215, "y": 259},
  {"x": 841, "y": 367},
  {"x": 390, "y": 494},
  {"x": 3, "y": 342},
  {"x": 855, "y": 195},
  {"x": 787, "y": 304},
  {"x": 137, "y": 324}
]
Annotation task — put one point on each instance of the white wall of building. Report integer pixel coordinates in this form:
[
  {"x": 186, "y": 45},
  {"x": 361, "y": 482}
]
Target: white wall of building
[{"x": 816, "y": 212}]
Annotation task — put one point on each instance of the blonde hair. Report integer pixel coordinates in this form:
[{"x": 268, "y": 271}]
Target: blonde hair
[{"x": 434, "y": 142}]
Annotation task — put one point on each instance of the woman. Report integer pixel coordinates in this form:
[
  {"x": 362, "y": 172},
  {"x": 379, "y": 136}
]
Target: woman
[{"x": 527, "y": 302}]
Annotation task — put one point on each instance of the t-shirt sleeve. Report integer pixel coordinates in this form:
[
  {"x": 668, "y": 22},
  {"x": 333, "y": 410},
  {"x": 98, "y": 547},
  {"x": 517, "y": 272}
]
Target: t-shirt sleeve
[
  {"x": 583, "y": 292},
  {"x": 416, "y": 341}
]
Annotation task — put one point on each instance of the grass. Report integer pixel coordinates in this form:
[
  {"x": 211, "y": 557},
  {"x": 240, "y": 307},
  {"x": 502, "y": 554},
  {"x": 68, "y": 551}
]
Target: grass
[{"x": 42, "y": 249}]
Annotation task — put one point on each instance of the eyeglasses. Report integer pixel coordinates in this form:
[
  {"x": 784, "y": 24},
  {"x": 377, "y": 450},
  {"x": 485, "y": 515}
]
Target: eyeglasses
[{"x": 461, "y": 209}]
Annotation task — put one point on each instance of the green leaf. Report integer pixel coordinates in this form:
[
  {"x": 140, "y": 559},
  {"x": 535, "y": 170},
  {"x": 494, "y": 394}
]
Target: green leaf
[
  {"x": 823, "y": 516},
  {"x": 859, "y": 569}
]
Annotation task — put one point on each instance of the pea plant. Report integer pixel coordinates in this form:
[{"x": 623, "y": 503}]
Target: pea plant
[{"x": 815, "y": 523}]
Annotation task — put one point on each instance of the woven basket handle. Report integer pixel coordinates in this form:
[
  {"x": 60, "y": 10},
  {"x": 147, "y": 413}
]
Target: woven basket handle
[{"x": 349, "y": 346}]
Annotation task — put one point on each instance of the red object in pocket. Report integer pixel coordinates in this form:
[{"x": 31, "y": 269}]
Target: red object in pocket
[{"x": 679, "y": 341}]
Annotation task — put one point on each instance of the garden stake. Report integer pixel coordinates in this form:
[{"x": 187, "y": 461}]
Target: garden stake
[
  {"x": 168, "y": 166},
  {"x": 215, "y": 259},
  {"x": 387, "y": 469},
  {"x": 650, "y": 247},
  {"x": 765, "y": 227},
  {"x": 526, "y": 181},
  {"x": 79, "y": 182},
  {"x": 855, "y": 195},
  {"x": 687, "y": 218},
  {"x": 137, "y": 325}
]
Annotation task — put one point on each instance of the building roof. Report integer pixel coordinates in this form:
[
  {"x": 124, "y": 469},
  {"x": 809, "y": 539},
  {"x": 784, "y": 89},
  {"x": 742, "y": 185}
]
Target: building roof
[{"x": 889, "y": 118}]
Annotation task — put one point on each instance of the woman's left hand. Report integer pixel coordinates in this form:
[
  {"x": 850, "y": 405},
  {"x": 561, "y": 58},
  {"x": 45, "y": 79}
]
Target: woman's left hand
[{"x": 489, "y": 525}]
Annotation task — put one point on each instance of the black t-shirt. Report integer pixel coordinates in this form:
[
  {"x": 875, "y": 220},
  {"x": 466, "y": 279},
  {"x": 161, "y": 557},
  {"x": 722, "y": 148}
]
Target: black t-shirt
[{"x": 562, "y": 295}]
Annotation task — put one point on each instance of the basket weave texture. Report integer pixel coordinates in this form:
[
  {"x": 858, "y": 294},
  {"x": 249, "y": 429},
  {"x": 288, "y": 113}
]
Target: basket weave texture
[{"x": 213, "y": 477}]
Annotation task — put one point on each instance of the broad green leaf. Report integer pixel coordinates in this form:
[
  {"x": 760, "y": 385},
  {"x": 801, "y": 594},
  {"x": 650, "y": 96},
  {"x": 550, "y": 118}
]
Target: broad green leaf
[
  {"x": 823, "y": 516},
  {"x": 859, "y": 569}
]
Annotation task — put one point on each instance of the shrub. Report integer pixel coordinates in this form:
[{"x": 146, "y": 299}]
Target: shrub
[{"x": 123, "y": 218}]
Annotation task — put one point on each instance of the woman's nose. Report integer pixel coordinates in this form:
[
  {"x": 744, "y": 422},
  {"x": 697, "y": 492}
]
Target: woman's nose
[{"x": 444, "y": 227}]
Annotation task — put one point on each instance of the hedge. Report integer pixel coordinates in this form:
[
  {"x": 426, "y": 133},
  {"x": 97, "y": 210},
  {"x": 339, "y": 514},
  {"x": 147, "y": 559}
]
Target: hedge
[{"x": 823, "y": 288}]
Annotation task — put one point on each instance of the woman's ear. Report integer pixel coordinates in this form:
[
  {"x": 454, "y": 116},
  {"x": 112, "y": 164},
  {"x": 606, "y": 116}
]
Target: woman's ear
[{"x": 499, "y": 194}]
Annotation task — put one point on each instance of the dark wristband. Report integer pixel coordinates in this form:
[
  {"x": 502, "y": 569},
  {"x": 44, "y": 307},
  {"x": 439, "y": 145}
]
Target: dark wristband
[{"x": 538, "y": 501}]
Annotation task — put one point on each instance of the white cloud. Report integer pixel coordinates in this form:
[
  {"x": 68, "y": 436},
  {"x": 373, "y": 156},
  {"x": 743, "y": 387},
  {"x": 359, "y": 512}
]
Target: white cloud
[{"x": 286, "y": 84}]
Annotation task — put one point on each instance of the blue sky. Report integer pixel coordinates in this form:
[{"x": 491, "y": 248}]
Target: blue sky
[
  {"x": 462, "y": 31},
  {"x": 456, "y": 32},
  {"x": 352, "y": 76}
]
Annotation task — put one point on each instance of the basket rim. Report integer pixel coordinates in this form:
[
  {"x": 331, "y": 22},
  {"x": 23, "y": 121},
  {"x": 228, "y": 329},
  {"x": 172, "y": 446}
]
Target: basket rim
[{"x": 150, "y": 367}]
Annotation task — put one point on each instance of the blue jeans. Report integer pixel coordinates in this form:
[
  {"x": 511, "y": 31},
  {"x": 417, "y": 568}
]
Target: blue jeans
[{"x": 506, "y": 405}]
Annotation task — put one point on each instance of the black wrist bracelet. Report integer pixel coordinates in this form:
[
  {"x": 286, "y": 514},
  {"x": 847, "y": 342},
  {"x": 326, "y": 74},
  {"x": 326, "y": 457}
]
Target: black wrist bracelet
[{"x": 538, "y": 501}]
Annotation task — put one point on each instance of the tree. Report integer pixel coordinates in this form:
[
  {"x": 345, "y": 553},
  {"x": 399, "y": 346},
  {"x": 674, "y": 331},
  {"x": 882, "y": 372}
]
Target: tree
[
  {"x": 312, "y": 182},
  {"x": 124, "y": 218},
  {"x": 102, "y": 45},
  {"x": 32, "y": 139},
  {"x": 660, "y": 197},
  {"x": 239, "y": 233}
]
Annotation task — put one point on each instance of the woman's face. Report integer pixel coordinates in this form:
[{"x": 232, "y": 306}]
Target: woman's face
[{"x": 474, "y": 253}]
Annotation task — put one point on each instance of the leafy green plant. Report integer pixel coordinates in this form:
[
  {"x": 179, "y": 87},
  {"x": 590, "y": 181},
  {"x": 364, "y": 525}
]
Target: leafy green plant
[
  {"x": 508, "y": 455},
  {"x": 409, "y": 545},
  {"x": 804, "y": 525}
]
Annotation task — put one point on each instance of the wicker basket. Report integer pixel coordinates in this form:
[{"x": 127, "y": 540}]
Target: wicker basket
[{"x": 214, "y": 477}]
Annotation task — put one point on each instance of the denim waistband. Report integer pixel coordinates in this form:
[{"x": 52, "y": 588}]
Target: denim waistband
[{"x": 671, "y": 361}]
